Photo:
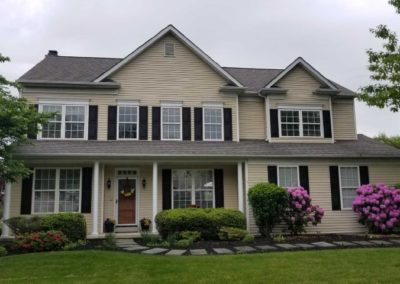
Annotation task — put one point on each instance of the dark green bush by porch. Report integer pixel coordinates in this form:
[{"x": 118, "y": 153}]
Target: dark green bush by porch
[
  {"x": 73, "y": 225},
  {"x": 206, "y": 221}
]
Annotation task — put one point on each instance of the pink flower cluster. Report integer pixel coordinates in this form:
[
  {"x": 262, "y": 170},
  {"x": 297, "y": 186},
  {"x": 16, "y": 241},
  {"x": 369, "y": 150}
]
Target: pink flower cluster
[
  {"x": 378, "y": 207},
  {"x": 301, "y": 211}
]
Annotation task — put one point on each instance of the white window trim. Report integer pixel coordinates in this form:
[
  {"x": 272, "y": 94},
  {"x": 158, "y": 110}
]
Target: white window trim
[
  {"x": 193, "y": 189},
  {"x": 289, "y": 166},
  {"x": 137, "y": 121},
  {"x": 340, "y": 184},
  {"x": 222, "y": 122},
  {"x": 57, "y": 190},
  {"x": 163, "y": 106},
  {"x": 63, "y": 122},
  {"x": 300, "y": 111}
]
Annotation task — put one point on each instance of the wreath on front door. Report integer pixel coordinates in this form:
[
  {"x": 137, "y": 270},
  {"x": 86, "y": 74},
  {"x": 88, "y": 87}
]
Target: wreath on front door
[{"x": 127, "y": 190}]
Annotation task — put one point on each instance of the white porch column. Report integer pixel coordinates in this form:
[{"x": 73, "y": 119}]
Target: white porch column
[
  {"x": 95, "y": 211},
  {"x": 155, "y": 193},
  {"x": 246, "y": 191},
  {"x": 240, "y": 186},
  {"x": 6, "y": 210}
]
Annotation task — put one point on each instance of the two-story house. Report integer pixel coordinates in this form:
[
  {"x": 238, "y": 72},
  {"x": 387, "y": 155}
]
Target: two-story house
[{"x": 167, "y": 127}]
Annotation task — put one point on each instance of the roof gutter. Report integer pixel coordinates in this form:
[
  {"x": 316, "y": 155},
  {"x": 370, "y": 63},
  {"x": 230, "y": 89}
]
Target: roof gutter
[
  {"x": 264, "y": 92},
  {"x": 71, "y": 85}
]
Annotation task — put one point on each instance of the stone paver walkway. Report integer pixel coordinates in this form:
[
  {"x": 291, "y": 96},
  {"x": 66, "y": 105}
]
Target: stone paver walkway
[{"x": 132, "y": 246}]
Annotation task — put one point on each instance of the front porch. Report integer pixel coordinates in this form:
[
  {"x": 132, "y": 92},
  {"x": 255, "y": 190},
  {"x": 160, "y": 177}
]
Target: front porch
[{"x": 128, "y": 190}]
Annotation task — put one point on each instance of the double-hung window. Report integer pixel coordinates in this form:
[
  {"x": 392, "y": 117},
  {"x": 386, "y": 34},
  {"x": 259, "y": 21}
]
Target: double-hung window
[
  {"x": 213, "y": 123},
  {"x": 300, "y": 123},
  {"x": 288, "y": 176},
  {"x": 171, "y": 122},
  {"x": 56, "y": 190},
  {"x": 349, "y": 182},
  {"x": 68, "y": 122},
  {"x": 192, "y": 187},
  {"x": 128, "y": 121}
]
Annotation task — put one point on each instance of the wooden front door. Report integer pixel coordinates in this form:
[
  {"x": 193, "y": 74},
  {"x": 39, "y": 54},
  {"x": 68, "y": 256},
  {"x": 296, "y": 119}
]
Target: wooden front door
[{"x": 127, "y": 201}]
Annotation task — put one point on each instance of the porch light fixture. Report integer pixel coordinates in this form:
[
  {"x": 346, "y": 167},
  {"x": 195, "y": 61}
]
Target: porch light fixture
[
  {"x": 109, "y": 183},
  {"x": 144, "y": 183}
]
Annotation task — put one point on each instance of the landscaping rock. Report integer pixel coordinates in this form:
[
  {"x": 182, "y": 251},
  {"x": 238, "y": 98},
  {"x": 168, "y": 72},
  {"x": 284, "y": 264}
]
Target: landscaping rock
[
  {"x": 222, "y": 251},
  {"x": 176, "y": 252},
  {"x": 198, "y": 252},
  {"x": 304, "y": 246},
  {"x": 323, "y": 244},
  {"x": 267, "y": 248},
  {"x": 396, "y": 241},
  {"x": 154, "y": 251},
  {"x": 364, "y": 243},
  {"x": 345, "y": 244},
  {"x": 381, "y": 242},
  {"x": 286, "y": 246},
  {"x": 245, "y": 249}
]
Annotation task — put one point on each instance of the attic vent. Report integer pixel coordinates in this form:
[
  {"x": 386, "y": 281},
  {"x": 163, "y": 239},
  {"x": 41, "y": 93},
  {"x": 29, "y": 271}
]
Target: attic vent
[{"x": 169, "y": 49}]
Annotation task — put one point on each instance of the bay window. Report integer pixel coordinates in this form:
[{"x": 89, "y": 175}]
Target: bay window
[
  {"x": 192, "y": 187},
  {"x": 56, "y": 190},
  {"x": 300, "y": 123},
  {"x": 69, "y": 121}
]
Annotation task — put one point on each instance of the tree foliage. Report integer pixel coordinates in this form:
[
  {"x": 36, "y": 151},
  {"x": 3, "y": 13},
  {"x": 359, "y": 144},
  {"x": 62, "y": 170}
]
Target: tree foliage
[
  {"x": 384, "y": 65},
  {"x": 18, "y": 120},
  {"x": 390, "y": 140}
]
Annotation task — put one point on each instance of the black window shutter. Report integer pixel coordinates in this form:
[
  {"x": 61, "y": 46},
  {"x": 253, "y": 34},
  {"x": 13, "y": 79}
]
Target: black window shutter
[
  {"x": 335, "y": 187},
  {"x": 112, "y": 122},
  {"x": 198, "y": 123},
  {"x": 228, "y": 124},
  {"x": 364, "y": 175},
  {"x": 186, "y": 127},
  {"x": 143, "y": 114},
  {"x": 87, "y": 179},
  {"x": 304, "y": 181},
  {"x": 156, "y": 112},
  {"x": 166, "y": 188},
  {"x": 273, "y": 174},
  {"x": 327, "y": 124},
  {"x": 219, "y": 187},
  {"x": 26, "y": 195},
  {"x": 93, "y": 113},
  {"x": 274, "y": 121},
  {"x": 31, "y": 135}
]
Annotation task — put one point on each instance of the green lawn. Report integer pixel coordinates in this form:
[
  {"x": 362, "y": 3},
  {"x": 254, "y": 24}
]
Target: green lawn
[{"x": 328, "y": 266}]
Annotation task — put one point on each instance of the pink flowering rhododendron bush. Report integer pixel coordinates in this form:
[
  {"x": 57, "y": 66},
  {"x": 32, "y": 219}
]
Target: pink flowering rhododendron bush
[
  {"x": 301, "y": 212},
  {"x": 378, "y": 207}
]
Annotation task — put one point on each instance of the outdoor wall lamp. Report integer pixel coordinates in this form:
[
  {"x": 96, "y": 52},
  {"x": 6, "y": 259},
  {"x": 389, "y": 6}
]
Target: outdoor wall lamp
[
  {"x": 144, "y": 183},
  {"x": 109, "y": 183}
]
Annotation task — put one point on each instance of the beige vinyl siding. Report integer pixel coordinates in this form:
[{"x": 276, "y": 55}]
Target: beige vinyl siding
[
  {"x": 344, "y": 121},
  {"x": 150, "y": 79},
  {"x": 252, "y": 118},
  {"x": 343, "y": 221}
]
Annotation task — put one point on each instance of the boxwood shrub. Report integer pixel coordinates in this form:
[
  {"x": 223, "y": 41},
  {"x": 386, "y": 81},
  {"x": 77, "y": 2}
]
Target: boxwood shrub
[{"x": 206, "y": 221}]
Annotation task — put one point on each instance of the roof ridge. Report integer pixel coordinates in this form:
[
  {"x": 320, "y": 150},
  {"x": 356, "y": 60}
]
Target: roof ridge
[
  {"x": 97, "y": 57},
  {"x": 256, "y": 68}
]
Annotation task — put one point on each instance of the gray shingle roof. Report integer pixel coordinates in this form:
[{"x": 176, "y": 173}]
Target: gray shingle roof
[
  {"x": 364, "y": 147},
  {"x": 69, "y": 69}
]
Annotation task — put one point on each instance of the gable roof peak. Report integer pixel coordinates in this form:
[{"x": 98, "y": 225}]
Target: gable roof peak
[{"x": 188, "y": 43}]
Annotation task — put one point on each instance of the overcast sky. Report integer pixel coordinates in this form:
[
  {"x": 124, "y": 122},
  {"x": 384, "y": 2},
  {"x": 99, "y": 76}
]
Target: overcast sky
[{"x": 332, "y": 35}]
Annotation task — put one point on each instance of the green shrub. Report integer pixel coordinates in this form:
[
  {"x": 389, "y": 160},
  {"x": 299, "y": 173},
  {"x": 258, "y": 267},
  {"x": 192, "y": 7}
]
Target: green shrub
[
  {"x": 249, "y": 238},
  {"x": 42, "y": 241},
  {"x": 269, "y": 203},
  {"x": 194, "y": 235},
  {"x": 231, "y": 234},
  {"x": 110, "y": 241},
  {"x": 76, "y": 245},
  {"x": 184, "y": 243},
  {"x": 73, "y": 225},
  {"x": 149, "y": 238},
  {"x": 3, "y": 251},
  {"x": 206, "y": 221},
  {"x": 397, "y": 185},
  {"x": 25, "y": 225}
]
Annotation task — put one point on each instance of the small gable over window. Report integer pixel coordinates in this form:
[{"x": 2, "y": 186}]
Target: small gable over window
[{"x": 169, "y": 49}]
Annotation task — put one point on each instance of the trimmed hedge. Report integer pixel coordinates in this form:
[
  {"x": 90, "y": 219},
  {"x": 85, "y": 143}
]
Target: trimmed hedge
[
  {"x": 206, "y": 221},
  {"x": 73, "y": 225}
]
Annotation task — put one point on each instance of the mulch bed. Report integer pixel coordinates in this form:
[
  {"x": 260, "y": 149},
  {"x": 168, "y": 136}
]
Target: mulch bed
[{"x": 306, "y": 239}]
